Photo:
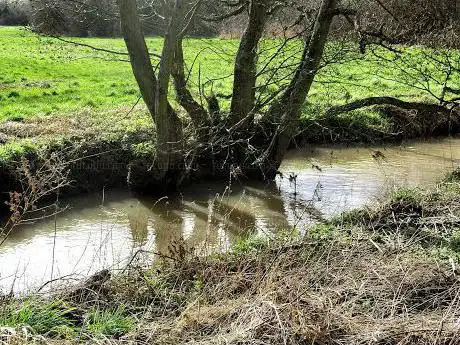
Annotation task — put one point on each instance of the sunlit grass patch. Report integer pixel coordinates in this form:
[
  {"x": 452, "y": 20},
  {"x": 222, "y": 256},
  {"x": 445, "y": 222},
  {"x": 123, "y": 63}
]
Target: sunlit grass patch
[
  {"x": 43, "y": 76},
  {"x": 45, "y": 318},
  {"x": 55, "y": 319},
  {"x": 109, "y": 323}
]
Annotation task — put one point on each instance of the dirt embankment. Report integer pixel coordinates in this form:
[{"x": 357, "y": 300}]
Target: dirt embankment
[
  {"x": 95, "y": 151},
  {"x": 98, "y": 150}
]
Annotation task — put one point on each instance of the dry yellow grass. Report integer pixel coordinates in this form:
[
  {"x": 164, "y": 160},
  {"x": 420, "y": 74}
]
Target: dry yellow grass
[
  {"x": 338, "y": 292},
  {"x": 368, "y": 279}
]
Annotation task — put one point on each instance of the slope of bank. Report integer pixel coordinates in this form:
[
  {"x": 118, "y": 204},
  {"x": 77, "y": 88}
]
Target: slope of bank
[
  {"x": 381, "y": 275},
  {"x": 67, "y": 100},
  {"x": 95, "y": 151},
  {"x": 97, "y": 148}
]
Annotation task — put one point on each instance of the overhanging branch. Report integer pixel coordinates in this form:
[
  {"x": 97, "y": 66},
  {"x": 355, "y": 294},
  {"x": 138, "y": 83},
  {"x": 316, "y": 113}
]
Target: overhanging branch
[
  {"x": 230, "y": 14},
  {"x": 371, "y": 101}
]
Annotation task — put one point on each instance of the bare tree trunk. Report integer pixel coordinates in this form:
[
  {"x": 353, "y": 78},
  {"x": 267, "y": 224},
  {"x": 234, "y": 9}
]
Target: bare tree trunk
[
  {"x": 232, "y": 149},
  {"x": 245, "y": 73},
  {"x": 197, "y": 112},
  {"x": 288, "y": 110},
  {"x": 168, "y": 124},
  {"x": 138, "y": 52},
  {"x": 155, "y": 93}
]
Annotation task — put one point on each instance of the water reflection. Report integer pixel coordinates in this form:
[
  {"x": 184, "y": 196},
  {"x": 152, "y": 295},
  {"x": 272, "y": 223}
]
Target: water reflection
[
  {"x": 105, "y": 232},
  {"x": 138, "y": 224}
]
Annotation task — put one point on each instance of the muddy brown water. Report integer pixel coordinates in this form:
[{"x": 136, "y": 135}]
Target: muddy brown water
[{"x": 105, "y": 230}]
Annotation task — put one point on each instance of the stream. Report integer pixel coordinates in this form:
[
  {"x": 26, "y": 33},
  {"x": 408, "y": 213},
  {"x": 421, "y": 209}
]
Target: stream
[{"x": 106, "y": 229}]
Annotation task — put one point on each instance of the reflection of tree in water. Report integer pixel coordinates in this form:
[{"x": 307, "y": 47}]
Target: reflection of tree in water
[
  {"x": 235, "y": 220},
  {"x": 257, "y": 208},
  {"x": 211, "y": 222},
  {"x": 305, "y": 212},
  {"x": 204, "y": 236},
  {"x": 138, "y": 218},
  {"x": 273, "y": 205},
  {"x": 168, "y": 228}
]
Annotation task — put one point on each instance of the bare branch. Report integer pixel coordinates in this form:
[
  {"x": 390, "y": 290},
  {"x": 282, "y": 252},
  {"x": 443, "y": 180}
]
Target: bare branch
[
  {"x": 371, "y": 101},
  {"x": 222, "y": 17}
]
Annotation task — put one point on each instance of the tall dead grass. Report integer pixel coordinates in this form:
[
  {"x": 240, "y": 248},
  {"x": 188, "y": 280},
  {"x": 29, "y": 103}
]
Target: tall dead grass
[
  {"x": 361, "y": 280},
  {"x": 349, "y": 291}
]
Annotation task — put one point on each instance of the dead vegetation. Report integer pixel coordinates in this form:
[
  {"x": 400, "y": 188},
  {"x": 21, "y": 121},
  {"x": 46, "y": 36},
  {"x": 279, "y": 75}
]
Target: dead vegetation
[
  {"x": 429, "y": 217},
  {"x": 337, "y": 290},
  {"x": 370, "y": 277},
  {"x": 328, "y": 291},
  {"x": 83, "y": 123}
]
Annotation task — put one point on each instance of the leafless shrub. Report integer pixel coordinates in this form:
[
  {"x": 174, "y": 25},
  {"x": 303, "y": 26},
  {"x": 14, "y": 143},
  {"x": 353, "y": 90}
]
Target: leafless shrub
[
  {"x": 77, "y": 18},
  {"x": 41, "y": 179},
  {"x": 14, "y": 12}
]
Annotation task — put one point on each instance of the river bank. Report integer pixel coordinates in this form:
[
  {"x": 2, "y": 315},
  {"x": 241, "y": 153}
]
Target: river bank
[
  {"x": 105, "y": 229},
  {"x": 384, "y": 274},
  {"x": 97, "y": 149}
]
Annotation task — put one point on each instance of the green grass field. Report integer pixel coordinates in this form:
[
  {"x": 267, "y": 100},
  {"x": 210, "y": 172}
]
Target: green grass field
[
  {"x": 43, "y": 76},
  {"x": 53, "y": 90}
]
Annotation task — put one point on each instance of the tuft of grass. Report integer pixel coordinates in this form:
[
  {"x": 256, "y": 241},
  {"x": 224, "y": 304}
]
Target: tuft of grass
[
  {"x": 407, "y": 196},
  {"x": 55, "y": 319},
  {"x": 13, "y": 94},
  {"x": 453, "y": 177},
  {"x": 250, "y": 244},
  {"x": 46, "y": 318},
  {"x": 14, "y": 150},
  {"x": 108, "y": 323}
]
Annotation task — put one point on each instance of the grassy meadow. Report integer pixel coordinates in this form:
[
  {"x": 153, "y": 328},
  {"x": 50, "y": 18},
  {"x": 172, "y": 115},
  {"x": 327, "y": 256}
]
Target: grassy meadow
[{"x": 45, "y": 76}]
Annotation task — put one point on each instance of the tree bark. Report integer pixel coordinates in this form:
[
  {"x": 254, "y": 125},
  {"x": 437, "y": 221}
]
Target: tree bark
[
  {"x": 169, "y": 131},
  {"x": 138, "y": 52},
  {"x": 155, "y": 92},
  {"x": 197, "y": 112},
  {"x": 288, "y": 110},
  {"x": 245, "y": 72},
  {"x": 366, "y": 102}
]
